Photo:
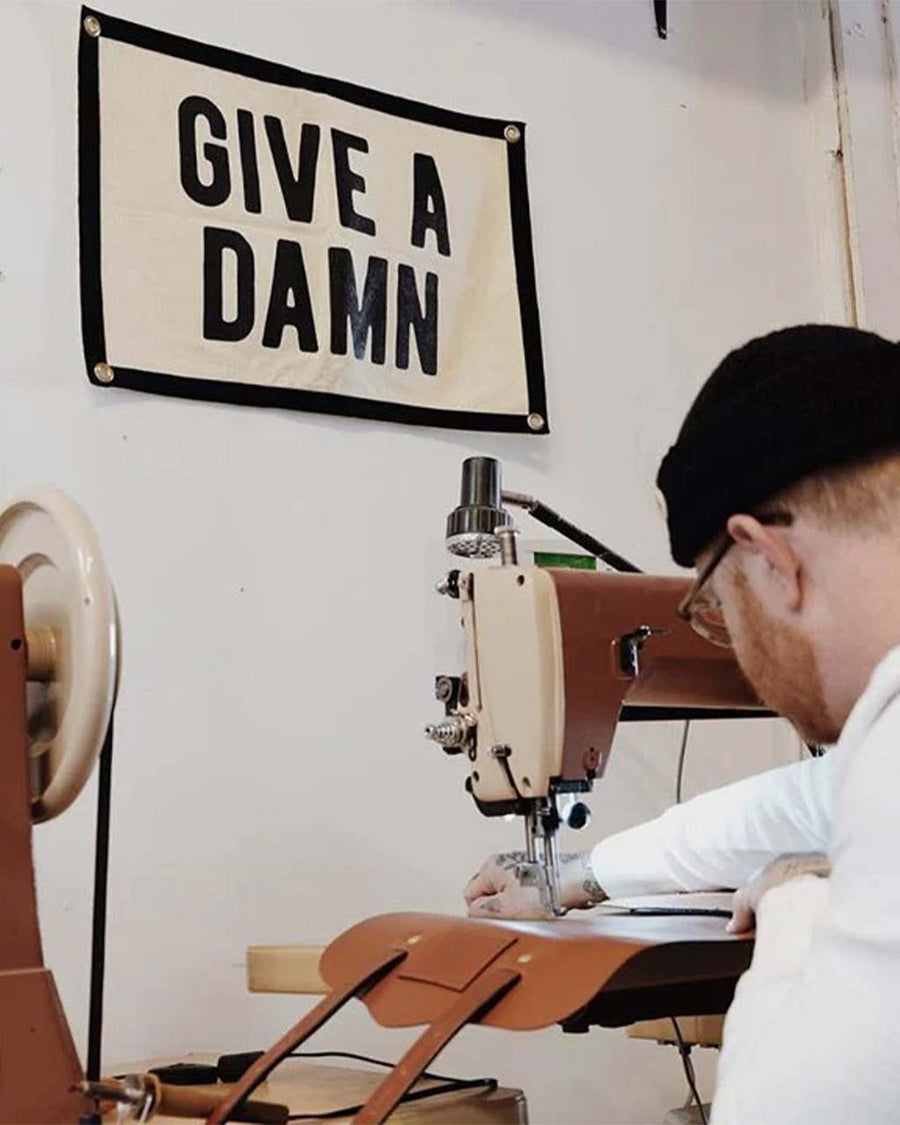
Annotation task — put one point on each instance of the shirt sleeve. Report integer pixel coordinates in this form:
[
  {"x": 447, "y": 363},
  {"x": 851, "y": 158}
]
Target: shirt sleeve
[
  {"x": 720, "y": 839},
  {"x": 811, "y": 1036}
]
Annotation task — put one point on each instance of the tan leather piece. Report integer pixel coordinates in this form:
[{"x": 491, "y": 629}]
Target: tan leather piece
[
  {"x": 445, "y": 972},
  {"x": 376, "y": 967},
  {"x": 480, "y": 996},
  {"x": 562, "y": 964},
  {"x": 678, "y": 667},
  {"x": 441, "y": 959}
]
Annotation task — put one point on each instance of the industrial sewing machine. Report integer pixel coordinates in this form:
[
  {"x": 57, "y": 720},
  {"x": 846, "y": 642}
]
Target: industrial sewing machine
[{"x": 555, "y": 660}]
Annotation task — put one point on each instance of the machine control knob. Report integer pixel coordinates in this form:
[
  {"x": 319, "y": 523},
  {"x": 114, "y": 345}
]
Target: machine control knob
[
  {"x": 449, "y": 586},
  {"x": 453, "y": 733},
  {"x": 576, "y": 814}
]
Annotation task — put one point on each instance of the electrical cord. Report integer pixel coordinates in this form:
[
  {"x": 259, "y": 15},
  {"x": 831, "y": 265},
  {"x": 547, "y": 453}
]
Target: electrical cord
[
  {"x": 679, "y": 778},
  {"x": 489, "y": 1084},
  {"x": 98, "y": 921},
  {"x": 375, "y": 1062},
  {"x": 685, "y": 1052},
  {"x": 230, "y": 1065},
  {"x": 502, "y": 753}
]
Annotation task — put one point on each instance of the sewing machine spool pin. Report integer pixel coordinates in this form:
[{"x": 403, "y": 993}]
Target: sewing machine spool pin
[{"x": 509, "y": 552}]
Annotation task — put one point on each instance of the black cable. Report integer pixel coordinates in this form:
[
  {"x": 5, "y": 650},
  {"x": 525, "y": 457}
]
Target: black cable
[
  {"x": 503, "y": 759},
  {"x": 98, "y": 928},
  {"x": 685, "y": 1052},
  {"x": 554, "y": 520},
  {"x": 372, "y": 1062},
  {"x": 451, "y": 1087},
  {"x": 227, "y": 1072},
  {"x": 679, "y": 777},
  {"x": 661, "y": 17}
]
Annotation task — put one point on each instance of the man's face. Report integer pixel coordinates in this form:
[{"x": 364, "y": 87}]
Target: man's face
[{"x": 777, "y": 658}]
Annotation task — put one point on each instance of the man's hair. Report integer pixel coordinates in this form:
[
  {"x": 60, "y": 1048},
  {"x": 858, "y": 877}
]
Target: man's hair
[
  {"x": 814, "y": 409},
  {"x": 863, "y": 495}
]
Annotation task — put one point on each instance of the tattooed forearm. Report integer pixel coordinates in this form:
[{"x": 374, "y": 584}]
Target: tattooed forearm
[
  {"x": 509, "y": 860},
  {"x": 589, "y": 883},
  {"x": 580, "y": 888}
]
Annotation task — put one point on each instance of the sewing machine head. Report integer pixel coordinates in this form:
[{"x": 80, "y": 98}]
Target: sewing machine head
[{"x": 556, "y": 659}]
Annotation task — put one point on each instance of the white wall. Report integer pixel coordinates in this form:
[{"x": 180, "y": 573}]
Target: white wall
[{"x": 274, "y": 570}]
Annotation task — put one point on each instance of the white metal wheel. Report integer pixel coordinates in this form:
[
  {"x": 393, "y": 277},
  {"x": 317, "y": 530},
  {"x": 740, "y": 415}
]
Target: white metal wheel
[{"x": 72, "y": 630}]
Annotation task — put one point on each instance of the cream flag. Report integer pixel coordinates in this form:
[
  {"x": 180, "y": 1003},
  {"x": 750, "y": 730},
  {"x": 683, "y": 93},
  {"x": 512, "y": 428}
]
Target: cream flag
[{"x": 258, "y": 235}]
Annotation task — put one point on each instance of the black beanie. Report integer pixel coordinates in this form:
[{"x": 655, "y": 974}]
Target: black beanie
[{"x": 781, "y": 407}]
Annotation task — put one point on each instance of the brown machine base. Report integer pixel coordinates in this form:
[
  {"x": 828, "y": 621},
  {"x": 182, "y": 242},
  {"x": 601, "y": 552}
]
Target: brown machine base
[{"x": 38, "y": 1063}]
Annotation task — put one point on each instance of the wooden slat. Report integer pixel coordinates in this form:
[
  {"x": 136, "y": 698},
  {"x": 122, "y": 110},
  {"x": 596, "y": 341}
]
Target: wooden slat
[
  {"x": 699, "y": 1031},
  {"x": 286, "y": 968}
]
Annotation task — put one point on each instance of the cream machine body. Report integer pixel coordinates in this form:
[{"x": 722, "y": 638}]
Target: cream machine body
[{"x": 555, "y": 659}]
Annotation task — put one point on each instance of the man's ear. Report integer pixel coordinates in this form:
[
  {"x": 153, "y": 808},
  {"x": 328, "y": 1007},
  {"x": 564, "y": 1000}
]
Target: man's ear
[{"x": 775, "y": 550}]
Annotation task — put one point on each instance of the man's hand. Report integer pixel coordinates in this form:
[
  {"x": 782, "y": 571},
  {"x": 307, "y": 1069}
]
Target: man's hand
[
  {"x": 501, "y": 888},
  {"x": 747, "y": 899}
]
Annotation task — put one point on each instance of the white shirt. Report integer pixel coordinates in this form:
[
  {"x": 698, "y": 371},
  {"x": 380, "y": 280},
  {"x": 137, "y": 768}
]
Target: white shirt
[
  {"x": 810, "y": 1038},
  {"x": 722, "y": 838}
]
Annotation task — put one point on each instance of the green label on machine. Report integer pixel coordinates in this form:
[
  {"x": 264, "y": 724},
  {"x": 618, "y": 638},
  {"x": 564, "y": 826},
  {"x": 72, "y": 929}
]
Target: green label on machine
[{"x": 574, "y": 562}]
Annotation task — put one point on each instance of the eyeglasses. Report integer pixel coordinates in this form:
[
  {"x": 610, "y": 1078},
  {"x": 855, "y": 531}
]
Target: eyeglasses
[{"x": 700, "y": 606}]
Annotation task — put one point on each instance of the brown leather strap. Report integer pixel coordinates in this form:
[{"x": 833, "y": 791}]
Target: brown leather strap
[
  {"x": 479, "y": 997},
  {"x": 301, "y": 1031}
]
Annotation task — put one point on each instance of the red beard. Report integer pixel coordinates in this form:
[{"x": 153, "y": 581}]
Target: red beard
[{"x": 780, "y": 663}]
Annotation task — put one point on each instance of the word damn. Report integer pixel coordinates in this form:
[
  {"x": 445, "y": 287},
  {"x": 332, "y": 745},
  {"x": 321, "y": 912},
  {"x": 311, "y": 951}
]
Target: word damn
[{"x": 206, "y": 172}]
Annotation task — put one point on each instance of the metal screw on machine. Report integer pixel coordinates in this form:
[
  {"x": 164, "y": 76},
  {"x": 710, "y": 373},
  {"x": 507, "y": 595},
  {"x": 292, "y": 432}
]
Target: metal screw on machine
[
  {"x": 449, "y": 585},
  {"x": 443, "y": 688},
  {"x": 453, "y": 692},
  {"x": 453, "y": 733}
]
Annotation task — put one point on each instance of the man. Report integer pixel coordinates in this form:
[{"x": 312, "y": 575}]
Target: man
[{"x": 783, "y": 489}]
